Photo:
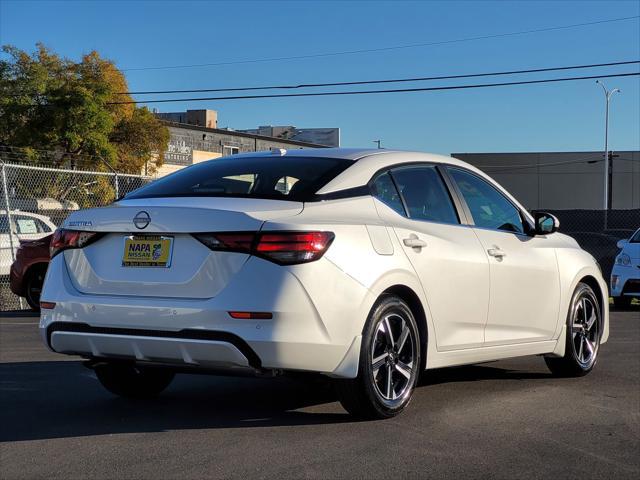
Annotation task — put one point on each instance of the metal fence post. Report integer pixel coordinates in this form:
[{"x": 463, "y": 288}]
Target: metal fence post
[
  {"x": 117, "y": 185},
  {"x": 8, "y": 209},
  {"x": 5, "y": 191}
]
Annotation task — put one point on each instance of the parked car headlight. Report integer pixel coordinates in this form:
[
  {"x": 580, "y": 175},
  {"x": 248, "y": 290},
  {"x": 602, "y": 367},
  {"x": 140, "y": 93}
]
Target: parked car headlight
[{"x": 623, "y": 259}]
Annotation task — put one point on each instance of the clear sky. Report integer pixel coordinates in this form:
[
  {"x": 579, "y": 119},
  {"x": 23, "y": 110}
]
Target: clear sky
[{"x": 552, "y": 117}]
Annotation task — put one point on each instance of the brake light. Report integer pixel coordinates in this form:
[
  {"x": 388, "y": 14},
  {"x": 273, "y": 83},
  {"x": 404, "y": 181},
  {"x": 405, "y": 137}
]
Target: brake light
[
  {"x": 66, "y": 239},
  {"x": 284, "y": 248}
]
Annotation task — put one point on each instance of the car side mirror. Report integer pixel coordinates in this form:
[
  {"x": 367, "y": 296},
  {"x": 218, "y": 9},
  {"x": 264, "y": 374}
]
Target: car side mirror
[
  {"x": 622, "y": 243},
  {"x": 545, "y": 223}
]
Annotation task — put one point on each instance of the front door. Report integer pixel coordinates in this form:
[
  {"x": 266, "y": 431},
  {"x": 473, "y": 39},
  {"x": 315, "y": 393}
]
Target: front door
[{"x": 525, "y": 285}]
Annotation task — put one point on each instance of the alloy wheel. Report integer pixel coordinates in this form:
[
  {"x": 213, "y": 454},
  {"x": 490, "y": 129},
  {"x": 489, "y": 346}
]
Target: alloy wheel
[
  {"x": 393, "y": 358},
  {"x": 585, "y": 329}
]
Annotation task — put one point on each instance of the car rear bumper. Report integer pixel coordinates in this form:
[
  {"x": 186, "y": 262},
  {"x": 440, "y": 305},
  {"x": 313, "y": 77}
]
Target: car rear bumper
[
  {"x": 191, "y": 348},
  {"x": 200, "y": 333}
]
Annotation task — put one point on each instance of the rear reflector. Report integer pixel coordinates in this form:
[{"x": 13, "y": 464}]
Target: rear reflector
[
  {"x": 251, "y": 315},
  {"x": 284, "y": 248},
  {"x": 47, "y": 305}
]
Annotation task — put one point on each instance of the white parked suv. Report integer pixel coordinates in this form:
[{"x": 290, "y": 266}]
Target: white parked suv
[
  {"x": 367, "y": 266},
  {"x": 24, "y": 226},
  {"x": 625, "y": 275}
]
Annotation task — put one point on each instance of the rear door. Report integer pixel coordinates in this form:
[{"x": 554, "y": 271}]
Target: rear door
[
  {"x": 525, "y": 285},
  {"x": 445, "y": 253}
]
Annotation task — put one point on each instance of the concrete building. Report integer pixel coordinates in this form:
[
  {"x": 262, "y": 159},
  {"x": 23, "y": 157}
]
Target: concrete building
[
  {"x": 200, "y": 118},
  {"x": 563, "y": 180},
  {"x": 189, "y": 144},
  {"x": 321, "y": 136}
]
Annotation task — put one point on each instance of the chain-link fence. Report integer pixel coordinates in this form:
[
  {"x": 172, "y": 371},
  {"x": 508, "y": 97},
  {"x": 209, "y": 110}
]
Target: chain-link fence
[
  {"x": 36, "y": 197},
  {"x": 38, "y": 191}
]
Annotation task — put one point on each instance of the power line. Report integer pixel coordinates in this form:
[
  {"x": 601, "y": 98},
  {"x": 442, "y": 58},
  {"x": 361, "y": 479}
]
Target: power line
[
  {"x": 365, "y": 82},
  {"x": 367, "y": 92},
  {"x": 383, "y": 49}
]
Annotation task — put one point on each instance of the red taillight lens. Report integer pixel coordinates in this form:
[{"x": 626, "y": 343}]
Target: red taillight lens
[
  {"x": 251, "y": 315},
  {"x": 293, "y": 247},
  {"x": 65, "y": 239},
  {"x": 285, "y": 248}
]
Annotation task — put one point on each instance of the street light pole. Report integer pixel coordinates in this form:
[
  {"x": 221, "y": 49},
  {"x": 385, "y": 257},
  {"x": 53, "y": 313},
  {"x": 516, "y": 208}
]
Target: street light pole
[{"x": 607, "y": 94}]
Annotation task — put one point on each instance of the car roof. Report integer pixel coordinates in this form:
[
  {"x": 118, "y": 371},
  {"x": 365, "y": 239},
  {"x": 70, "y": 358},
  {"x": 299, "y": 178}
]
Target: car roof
[
  {"x": 368, "y": 161},
  {"x": 14, "y": 213}
]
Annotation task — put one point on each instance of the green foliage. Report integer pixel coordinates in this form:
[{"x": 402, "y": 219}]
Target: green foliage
[{"x": 49, "y": 103}]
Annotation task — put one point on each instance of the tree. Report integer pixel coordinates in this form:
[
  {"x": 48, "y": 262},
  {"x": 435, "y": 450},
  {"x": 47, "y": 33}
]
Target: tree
[{"x": 52, "y": 104}]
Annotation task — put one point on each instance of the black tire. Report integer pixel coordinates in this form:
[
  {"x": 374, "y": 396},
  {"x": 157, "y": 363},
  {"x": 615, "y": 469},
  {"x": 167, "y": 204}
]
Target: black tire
[
  {"x": 127, "y": 380},
  {"x": 622, "y": 302},
  {"x": 363, "y": 396},
  {"x": 575, "y": 363},
  {"x": 33, "y": 286}
]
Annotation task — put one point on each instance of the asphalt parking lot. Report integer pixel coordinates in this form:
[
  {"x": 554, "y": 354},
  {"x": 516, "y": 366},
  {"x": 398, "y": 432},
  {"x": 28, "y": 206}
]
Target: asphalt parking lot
[{"x": 507, "y": 419}]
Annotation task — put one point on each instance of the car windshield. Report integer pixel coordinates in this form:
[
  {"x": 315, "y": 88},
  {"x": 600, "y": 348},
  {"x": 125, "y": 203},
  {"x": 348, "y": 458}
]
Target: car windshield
[
  {"x": 284, "y": 178},
  {"x": 636, "y": 237}
]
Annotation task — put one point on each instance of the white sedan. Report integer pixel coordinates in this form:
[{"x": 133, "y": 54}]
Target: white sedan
[
  {"x": 367, "y": 266},
  {"x": 625, "y": 276}
]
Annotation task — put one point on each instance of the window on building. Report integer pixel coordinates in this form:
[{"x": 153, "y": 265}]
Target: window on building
[{"x": 228, "y": 150}]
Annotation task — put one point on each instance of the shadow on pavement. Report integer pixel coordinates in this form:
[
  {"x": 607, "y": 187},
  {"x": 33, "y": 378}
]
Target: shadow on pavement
[{"x": 43, "y": 400}]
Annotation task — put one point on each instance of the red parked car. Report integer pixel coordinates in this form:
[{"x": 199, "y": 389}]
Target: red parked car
[{"x": 29, "y": 268}]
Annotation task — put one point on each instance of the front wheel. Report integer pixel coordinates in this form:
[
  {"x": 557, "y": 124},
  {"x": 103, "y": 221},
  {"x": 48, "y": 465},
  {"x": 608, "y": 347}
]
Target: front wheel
[
  {"x": 128, "y": 380},
  {"x": 584, "y": 324},
  {"x": 389, "y": 363}
]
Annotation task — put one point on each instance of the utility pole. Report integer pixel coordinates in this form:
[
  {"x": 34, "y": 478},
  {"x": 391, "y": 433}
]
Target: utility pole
[
  {"x": 607, "y": 195},
  {"x": 378, "y": 142}
]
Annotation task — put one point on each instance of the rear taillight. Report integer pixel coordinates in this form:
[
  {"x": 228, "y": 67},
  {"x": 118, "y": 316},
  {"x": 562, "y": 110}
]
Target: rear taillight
[
  {"x": 66, "y": 239},
  {"x": 284, "y": 248}
]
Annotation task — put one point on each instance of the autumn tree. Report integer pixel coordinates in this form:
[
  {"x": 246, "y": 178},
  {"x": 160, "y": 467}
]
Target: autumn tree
[{"x": 53, "y": 104}]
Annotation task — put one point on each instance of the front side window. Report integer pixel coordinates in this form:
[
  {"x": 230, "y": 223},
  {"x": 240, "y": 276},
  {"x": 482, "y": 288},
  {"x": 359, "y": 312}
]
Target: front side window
[
  {"x": 385, "y": 191},
  {"x": 425, "y": 194},
  {"x": 285, "y": 178},
  {"x": 489, "y": 208}
]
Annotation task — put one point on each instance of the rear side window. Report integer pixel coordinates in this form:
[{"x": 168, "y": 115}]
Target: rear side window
[
  {"x": 385, "y": 191},
  {"x": 26, "y": 225},
  {"x": 425, "y": 194},
  {"x": 285, "y": 178}
]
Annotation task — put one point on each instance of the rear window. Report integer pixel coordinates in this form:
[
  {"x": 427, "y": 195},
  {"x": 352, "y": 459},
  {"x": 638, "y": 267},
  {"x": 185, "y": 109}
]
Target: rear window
[{"x": 285, "y": 178}]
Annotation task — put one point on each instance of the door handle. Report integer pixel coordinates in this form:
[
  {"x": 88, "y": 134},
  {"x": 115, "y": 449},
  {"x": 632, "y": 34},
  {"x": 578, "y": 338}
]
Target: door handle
[
  {"x": 496, "y": 252},
  {"x": 413, "y": 241}
]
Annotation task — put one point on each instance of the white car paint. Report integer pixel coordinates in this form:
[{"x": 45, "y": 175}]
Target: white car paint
[
  {"x": 477, "y": 307},
  {"x": 626, "y": 268},
  {"x": 24, "y": 226}
]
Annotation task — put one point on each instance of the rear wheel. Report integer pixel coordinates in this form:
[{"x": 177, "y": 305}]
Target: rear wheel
[
  {"x": 389, "y": 363},
  {"x": 33, "y": 286},
  {"x": 584, "y": 323},
  {"x": 127, "y": 380}
]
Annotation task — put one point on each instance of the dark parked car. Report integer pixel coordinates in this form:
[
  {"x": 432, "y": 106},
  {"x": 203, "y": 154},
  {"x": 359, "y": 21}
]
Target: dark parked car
[{"x": 28, "y": 270}]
